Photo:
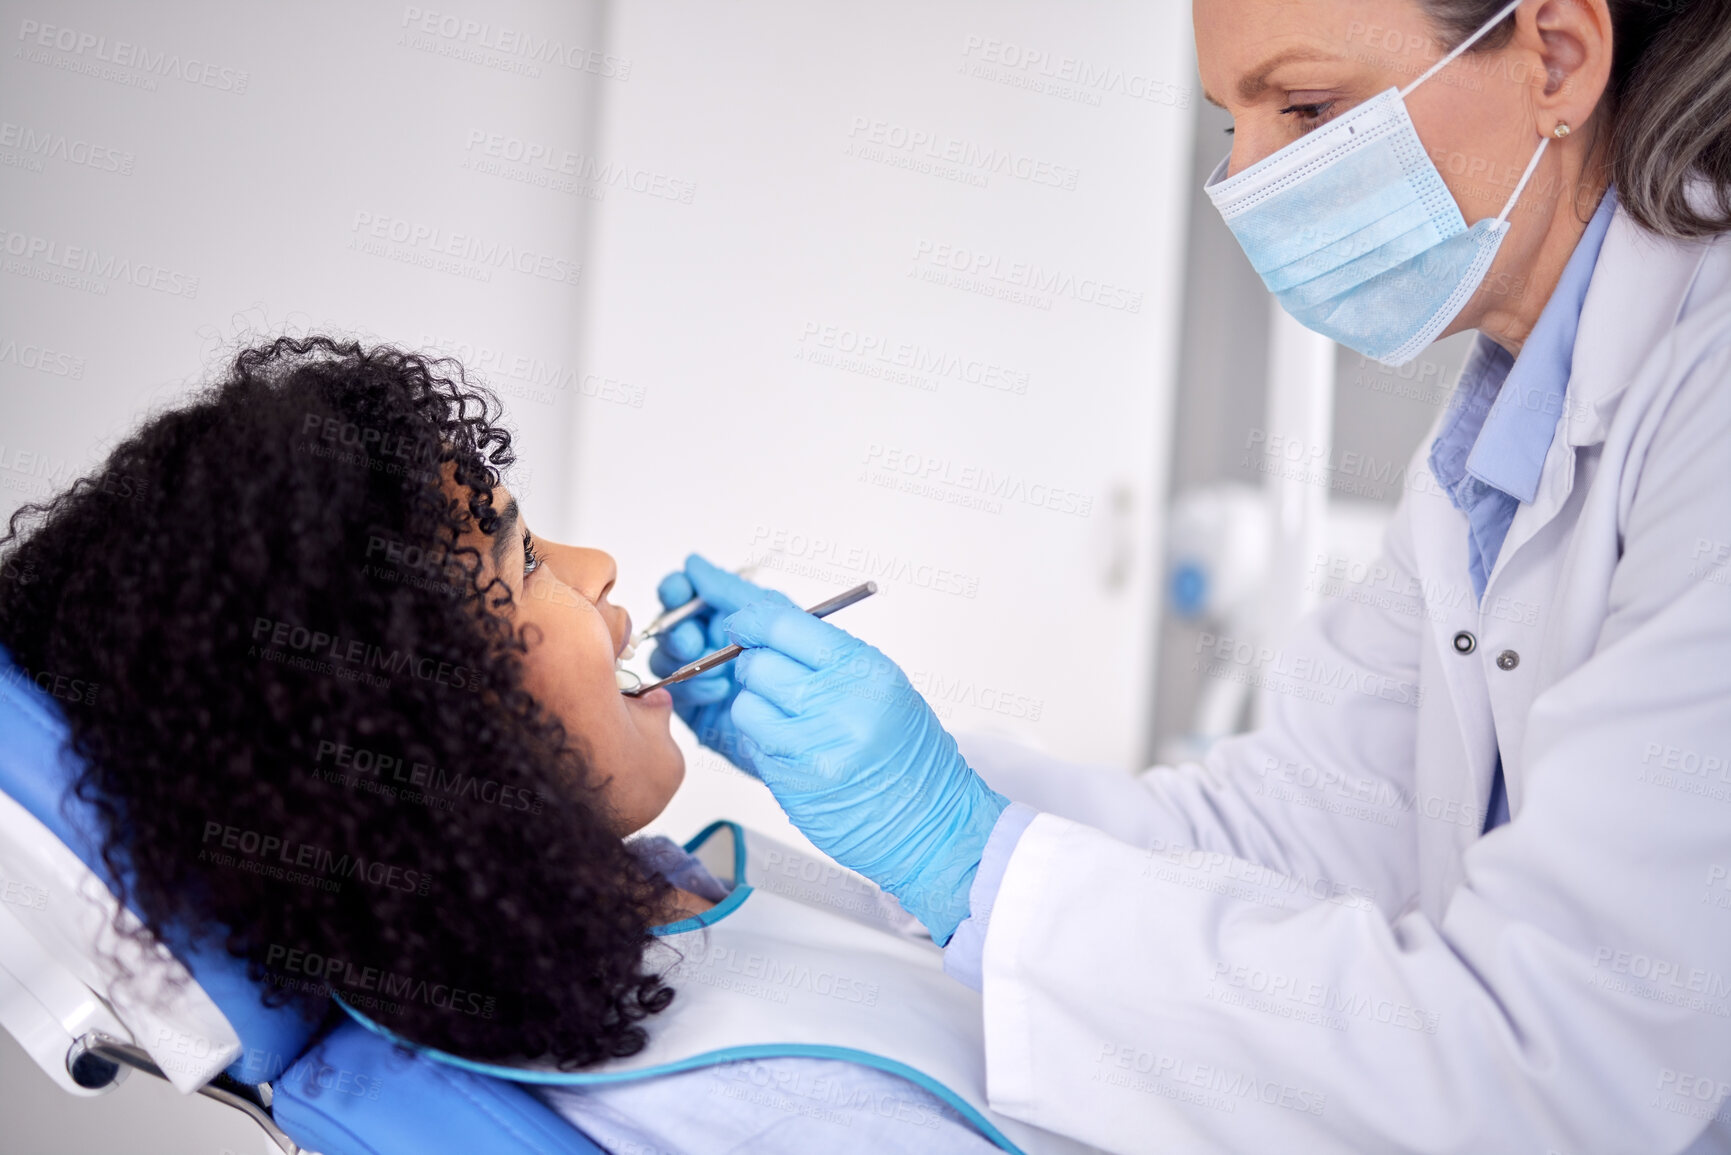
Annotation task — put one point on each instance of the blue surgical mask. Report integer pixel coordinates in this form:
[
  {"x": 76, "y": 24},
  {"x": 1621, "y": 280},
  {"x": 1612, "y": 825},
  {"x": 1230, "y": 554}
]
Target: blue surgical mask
[{"x": 1352, "y": 228}]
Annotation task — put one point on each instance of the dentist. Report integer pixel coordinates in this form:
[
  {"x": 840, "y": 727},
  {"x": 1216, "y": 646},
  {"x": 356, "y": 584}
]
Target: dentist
[{"x": 1468, "y": 889}]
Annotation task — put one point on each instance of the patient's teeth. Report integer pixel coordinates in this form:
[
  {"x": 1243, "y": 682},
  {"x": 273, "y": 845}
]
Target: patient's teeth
[{"x": 625, "y": 679}]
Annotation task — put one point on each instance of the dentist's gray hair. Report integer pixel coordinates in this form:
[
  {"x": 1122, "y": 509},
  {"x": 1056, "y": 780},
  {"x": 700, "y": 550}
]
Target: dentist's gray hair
[{"x": 1667, "y": 103}]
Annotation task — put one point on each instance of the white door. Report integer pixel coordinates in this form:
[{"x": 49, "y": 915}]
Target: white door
[{"x": 893, "y": 291}]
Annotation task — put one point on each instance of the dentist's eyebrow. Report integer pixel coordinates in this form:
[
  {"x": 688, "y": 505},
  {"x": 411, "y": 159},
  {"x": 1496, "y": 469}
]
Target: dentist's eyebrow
[
  {"x": 503, "y": 533},
  {"x": 1255, "y": 83}
]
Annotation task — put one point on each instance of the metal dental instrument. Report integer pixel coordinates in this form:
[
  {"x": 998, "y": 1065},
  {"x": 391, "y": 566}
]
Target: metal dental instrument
[
  {"x": 667, "y": 619},
  {"x": 727, "y": 653}
]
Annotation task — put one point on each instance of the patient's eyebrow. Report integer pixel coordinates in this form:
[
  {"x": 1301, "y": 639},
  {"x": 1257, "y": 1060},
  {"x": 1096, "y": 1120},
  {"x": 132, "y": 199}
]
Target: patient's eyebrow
[{"x": 504, "y": 530}]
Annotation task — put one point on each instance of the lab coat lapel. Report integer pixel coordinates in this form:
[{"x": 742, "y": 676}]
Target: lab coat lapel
[{"x": 1637, "y": 291}]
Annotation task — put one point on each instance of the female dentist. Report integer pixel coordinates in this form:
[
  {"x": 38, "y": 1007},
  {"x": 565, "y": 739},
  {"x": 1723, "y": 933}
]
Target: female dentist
[{"x": 1469, "y": 886}]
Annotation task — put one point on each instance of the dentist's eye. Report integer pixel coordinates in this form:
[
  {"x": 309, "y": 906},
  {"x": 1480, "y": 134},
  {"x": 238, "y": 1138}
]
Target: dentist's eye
[
  {"x": 531, "y": 560},
  {"x": 1308, "y": 114}
]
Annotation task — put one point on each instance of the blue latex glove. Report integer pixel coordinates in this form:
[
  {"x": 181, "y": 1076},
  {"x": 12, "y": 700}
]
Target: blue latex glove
[
  {"x": 859, "y": 762},
  {"x": 703, "y": 703}
]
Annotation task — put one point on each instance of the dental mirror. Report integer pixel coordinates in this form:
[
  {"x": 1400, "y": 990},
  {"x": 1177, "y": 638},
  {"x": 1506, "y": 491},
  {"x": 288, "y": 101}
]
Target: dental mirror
[{"x": 727, "y": 653}]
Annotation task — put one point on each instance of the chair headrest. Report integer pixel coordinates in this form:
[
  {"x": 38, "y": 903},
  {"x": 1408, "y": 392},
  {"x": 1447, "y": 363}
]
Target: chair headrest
[{"x": 37, "y": 770}]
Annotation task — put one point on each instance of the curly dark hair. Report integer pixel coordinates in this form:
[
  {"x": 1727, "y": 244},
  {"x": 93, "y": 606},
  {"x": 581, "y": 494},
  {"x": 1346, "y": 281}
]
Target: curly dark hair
[{"x": 302, "y": 714}]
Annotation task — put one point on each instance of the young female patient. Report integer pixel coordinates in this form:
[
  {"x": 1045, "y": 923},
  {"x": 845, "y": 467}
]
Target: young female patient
[{"x": 313, "y": 615}]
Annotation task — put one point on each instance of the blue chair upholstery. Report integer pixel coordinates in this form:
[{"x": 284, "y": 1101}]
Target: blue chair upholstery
[
  {"x": 353, "y": 1093},
  {"x": 356, "y": 1094},
  {"x": 38, "y": 771}
]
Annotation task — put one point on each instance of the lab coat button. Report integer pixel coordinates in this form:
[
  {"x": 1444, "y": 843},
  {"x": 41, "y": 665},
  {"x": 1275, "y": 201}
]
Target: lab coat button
[
  {"x": 1508, "y": 660},
  {"x": 1465, "y": 643}
]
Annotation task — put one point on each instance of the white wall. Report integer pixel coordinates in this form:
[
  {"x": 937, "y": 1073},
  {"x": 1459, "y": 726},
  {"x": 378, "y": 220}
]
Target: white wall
[{"x": 254, "y": 163}]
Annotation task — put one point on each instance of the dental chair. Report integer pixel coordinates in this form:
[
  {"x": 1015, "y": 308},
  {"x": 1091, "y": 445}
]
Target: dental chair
[{"x": 66, "y": 1001}]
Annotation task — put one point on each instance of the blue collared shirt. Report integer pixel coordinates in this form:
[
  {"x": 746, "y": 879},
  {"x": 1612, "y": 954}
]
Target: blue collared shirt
[
  {"x": 1492, "y": 448},
  {"x": 1488, "y": 457},
  {"x": 1504, "y": 416}
]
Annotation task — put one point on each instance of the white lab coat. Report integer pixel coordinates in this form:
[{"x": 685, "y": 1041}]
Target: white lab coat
[{"x": 1345, "y": 964}]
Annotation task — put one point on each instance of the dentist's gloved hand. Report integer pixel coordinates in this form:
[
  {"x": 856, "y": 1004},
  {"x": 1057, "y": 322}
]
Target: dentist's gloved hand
[
  {"x": 859, "y": 762},
  {"x": 703, "y": 702}
]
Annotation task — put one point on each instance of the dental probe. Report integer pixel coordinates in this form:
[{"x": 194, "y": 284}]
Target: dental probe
[
  {"x": 667, "y": 619},
  {"x": 727, "y": 653}
]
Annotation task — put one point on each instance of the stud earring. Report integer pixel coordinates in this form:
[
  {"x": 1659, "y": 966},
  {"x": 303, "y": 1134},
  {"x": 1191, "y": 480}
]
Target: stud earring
[{"x": 1560, "y": 131}]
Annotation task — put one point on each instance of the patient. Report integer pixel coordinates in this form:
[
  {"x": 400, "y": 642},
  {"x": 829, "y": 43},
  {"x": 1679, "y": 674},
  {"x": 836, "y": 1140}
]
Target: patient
[{"x": 343, "y": 702}]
